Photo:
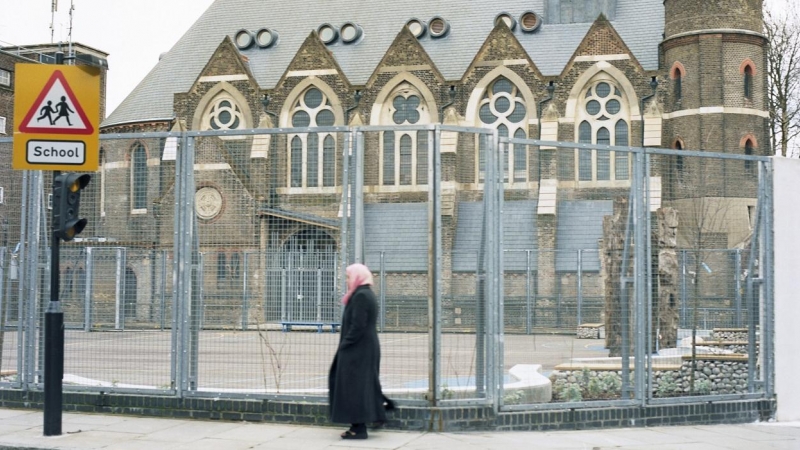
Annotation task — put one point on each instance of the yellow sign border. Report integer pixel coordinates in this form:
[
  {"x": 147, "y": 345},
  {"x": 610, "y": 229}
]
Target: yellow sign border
[{"x": 84, "y": 81}]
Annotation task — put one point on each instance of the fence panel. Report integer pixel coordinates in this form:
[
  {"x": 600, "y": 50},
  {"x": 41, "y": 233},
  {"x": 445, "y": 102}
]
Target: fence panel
[
  {"x": 10, "y": 264},
  {"x": 565, "y": 274},
  {"x": 569, "y": 310},
  {"x": 705, "y": 326},
  {"x": 265, "y": 294}
]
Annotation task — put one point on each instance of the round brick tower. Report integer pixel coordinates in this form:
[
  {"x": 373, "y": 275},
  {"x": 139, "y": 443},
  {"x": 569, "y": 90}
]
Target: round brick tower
[{"x": 715, "y": 57}]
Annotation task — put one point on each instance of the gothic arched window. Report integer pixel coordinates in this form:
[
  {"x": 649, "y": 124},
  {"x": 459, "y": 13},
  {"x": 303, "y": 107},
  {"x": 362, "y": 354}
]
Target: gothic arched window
[
  {"x": 749, "y": 165},
  {"x": 138, "y": 178},
  {"x": 312, "y": 155},
  {"x": 503, "y": 107},
  {"x": 404, "y": 157},
  {"x": 223, "y": 114},
  {"x": 603, "y": 120},
  {"x": 748, "y": 82}
]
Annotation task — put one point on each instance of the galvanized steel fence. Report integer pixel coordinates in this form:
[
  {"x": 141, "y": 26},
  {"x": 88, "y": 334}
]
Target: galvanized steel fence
[{"x": 512, "y": 272}]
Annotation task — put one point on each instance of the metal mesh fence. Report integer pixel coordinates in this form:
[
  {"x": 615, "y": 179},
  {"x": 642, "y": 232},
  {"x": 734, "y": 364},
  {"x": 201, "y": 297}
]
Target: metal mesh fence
[
  {"x": 10, "y": 262},
  {"x": 510, "y": 272}
]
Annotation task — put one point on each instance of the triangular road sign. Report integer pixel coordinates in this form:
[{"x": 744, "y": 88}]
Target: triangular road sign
[{"x": 56, "y": 110}]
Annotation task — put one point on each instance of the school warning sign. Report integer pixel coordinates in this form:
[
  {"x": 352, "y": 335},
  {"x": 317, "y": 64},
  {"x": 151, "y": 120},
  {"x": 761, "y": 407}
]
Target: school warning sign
[{"x": 56, "y": 117}]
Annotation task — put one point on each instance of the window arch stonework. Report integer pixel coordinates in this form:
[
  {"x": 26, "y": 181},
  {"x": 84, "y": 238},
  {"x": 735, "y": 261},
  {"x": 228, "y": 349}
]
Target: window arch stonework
[
  {"x": 603, "y": 118},
  {"x": 503, "y": 106},
  {"x": 311, "y": 160},
  {"x": 223, "y": 107},
  {"x": 403, "y": 158}
]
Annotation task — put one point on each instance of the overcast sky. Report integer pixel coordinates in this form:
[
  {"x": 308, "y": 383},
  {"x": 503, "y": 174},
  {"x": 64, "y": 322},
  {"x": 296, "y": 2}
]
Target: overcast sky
[{"x": 134, "y": 33}]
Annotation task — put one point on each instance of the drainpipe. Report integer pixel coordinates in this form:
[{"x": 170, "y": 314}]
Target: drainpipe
[
  {"x": 452, "y": 94},
  {"x": 653, "y": 86},
  {"x": 272, "y": 195},
  {"x": 551, "y": 87}
]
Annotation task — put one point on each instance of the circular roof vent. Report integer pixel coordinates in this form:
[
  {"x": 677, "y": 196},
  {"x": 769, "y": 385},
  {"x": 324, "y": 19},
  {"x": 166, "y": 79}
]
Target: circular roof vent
[
  {"x": 438, "y": 27},
  {"x": 351, "y": 32},
  {"x": 529, "y": 21},
  {"x": 510, "y": 22},
  {"x": 417, "y": 27},
  {"x": 266, "y": 38},
  {"x": 244, "y": 39},
  {"x": 328, "y": 33}
]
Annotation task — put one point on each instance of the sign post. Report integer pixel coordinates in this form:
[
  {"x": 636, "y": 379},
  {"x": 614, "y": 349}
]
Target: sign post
[{"x": 56, "y": 120}]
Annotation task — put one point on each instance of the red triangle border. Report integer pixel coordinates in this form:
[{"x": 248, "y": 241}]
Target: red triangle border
[{"x": 57, "y": 75}]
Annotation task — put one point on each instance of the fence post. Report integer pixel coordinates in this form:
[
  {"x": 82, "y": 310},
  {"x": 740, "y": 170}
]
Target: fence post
[
  {"x": 499, "y": 346},
  {"x": 767, "y": 274},
  {"x": 580, "y": 287},
  {"x": 245, "y": 291},
  {"x": 358, "y": 199},
  {"x": 87, "y": 304},
  {"x": 319, "y": 294},
  {"x": 383, "y": 292},
  {"x": 434, "y": 267},
  {"x": 640, "y": 275},
  {"x": 528, "y": 324},
  {"x": 737, "y": 272}
]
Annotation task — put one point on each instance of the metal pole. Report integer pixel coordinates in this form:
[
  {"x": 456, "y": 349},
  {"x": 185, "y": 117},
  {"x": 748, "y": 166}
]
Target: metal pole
[
  {"x": 22, "y": 330},
  {"x": 89, "y": 274},
  {"x": 648, "y": 283},
  {"x": 737, "y": 272},
  {"x": 54, "y": 341},
  {"x": 434, "y": 268},
  {"x": 245, "y": 291},
  {"x": 580, "y": 286},
  {"x": 118, "y": 310},
  {"x": 163, "y": 290},
  {"x": 528, "y": 325},
  {"x": 319, "y": 294},
  {"x": 765, "y": 351},
  {"x": 383, "y": 292},
  {"x": 500, "y": 275},
  {"x": 684, "y": 290},
  {"x": 358, "y": 199},
  {"x": 640, "y": 272},
  {"x": 751, "y": 301}
]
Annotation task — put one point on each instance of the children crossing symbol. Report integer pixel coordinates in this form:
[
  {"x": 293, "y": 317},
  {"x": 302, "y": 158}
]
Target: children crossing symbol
[{"x": 56, "y": 110}]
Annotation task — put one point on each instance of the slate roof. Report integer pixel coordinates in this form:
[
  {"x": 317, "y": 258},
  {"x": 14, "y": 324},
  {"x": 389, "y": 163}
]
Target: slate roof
[
  {"x": 400, "y": 230},
  {"x": 580, "y": 226},
  {"x": 639, "y": 22},
  {"x": 519, "y": 235}
]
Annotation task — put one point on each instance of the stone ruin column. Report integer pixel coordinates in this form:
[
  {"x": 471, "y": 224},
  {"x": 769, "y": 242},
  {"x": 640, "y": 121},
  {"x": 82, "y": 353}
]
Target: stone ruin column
[{"x": 665, "y": 322}]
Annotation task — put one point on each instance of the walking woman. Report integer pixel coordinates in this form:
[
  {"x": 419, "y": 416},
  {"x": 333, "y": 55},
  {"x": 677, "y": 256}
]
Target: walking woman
[{"x": 355, "y": 395}]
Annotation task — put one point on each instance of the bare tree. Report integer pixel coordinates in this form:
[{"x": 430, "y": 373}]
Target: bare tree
[{"x": 783, "y": 75}]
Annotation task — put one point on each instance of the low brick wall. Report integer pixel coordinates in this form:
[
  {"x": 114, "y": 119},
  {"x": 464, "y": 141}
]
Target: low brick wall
[{"x": 462, "y": 418}]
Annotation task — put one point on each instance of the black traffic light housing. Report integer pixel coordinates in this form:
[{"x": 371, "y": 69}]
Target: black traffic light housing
[{"x": 66, "y": 204}]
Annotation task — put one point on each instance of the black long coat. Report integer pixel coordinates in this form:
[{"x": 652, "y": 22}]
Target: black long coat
[{"x": 354, "y": 393}]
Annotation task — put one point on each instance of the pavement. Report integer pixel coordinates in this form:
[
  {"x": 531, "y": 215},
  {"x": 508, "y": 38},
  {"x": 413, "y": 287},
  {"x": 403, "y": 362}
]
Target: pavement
[{"x": 22, "y": 430}]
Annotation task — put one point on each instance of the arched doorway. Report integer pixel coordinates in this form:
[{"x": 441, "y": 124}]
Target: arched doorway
[{"x": 308, "y": 260}]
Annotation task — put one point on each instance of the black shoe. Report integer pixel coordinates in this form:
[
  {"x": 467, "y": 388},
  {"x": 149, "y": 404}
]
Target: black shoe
[{"x": 350, "y": 434}]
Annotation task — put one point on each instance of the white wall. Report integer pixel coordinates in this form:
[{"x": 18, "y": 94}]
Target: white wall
[{"x": 787, "y": 287}]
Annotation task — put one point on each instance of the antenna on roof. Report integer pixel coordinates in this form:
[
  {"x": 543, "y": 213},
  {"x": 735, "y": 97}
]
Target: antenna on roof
[
  {"x": 71, "y": 9},
  {"x": 53, "y": 9}
]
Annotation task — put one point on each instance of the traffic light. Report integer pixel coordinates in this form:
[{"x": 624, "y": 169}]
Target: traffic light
[{"x": 66, "y": 202}]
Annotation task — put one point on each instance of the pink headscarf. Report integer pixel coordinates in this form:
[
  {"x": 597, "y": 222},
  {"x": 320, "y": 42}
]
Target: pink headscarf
[{"x": 359, "y": 275}]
